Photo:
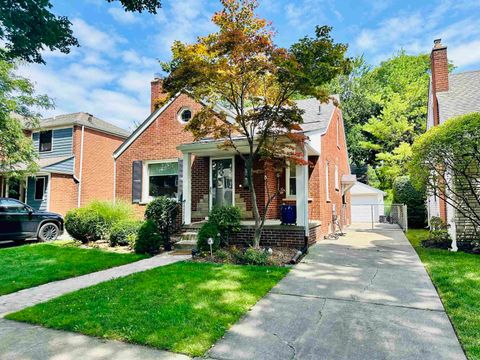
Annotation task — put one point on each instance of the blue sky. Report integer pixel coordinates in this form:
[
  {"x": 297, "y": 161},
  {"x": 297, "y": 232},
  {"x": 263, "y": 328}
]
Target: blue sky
[{"x": 109, "y": 74}]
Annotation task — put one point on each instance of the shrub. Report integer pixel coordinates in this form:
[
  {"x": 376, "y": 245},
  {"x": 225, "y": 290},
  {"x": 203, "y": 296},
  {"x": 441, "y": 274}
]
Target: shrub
[
  {"x": 124, "y": 233},
  {"x": 222, "y": 255},
  {"x": 438, "y": 231},
  {"x": 148, "y": 239},
  {"x": 227, "y": 219},
  {"x": 95, "y": 220},
  {"x": 84, "y": 225},
  {"x": 253, "y": 256},
  {"x": 208, "y": 230},
  {"x": 405, "y": 193},
  {"x": 163, "y": 211}
]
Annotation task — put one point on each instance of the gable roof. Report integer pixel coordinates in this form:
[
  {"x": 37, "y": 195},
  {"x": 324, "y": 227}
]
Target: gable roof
[
  {"x": 83, "y": 119},
  {"x": 314, "y": 118},
  {"x": 361, "y": 188},
  {"x": 462, "y": 97}
]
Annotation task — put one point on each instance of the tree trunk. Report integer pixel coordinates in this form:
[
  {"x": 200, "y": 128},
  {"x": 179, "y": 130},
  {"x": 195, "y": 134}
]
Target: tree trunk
[{"x": 258, "y": 221}]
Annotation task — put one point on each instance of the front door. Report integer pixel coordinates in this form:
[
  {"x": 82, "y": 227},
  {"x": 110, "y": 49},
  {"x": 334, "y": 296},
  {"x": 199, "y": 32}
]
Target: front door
[{"x": 221, "y": 182}]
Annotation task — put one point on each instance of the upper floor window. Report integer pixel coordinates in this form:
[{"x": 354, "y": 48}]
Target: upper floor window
[
  {"x": 337, "y": 185},
  {"x": 184, "y": 115},
  {"x": 45, "y": 141},
  {"x": 327, "y": 180}
]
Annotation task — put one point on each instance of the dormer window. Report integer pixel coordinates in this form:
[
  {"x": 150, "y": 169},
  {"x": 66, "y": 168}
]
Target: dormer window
[
  {"x": 45, "y": 141},
  {"x": 184, "y": 115}
]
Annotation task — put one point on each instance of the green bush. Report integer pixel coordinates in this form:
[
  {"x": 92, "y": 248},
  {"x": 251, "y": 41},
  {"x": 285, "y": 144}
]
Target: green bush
[
  {"x": 124, "y": 233},
  {"x": 438, "y": 231},
  {"x": 405, "y": 193},
  {"x": 148, "y": 239},
  {"x": 163, "y": 211},
  {"x": 208, "y": 230},
  {"x": 85, "y": 225},
  {"x": 95, "y": 221},
  {"x": 253, "y": 256},
  {"x": 227, "y": 219}
]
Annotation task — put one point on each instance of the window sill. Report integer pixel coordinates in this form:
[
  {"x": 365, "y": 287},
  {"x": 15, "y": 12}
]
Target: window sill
[
  {"x": 329, "y": 201},
  {"x": 294, "y": 198}
]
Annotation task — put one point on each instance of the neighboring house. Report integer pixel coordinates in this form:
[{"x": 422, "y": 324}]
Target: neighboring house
[
  {"x": 75, "y": 161},
  {"x": 450, "y": 95},
  {"x": 161, "y": 158},
  {"x": 367, "y": 203}
]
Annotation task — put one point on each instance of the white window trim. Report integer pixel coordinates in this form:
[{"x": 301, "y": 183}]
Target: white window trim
[
  {"x": 44, "y": 178},
  {"x": 327, "y": 187},
  {"x": 337, "y": 185},
  {"x": 287, "y": 183},
  {"x": 146, "y": 178},
  {"x": 179, "y": 114}
]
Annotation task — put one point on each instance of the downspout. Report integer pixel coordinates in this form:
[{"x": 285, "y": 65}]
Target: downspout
[
  {"x": 81, "y": 169},
  {"x": 305, "y": 209},
  {"x": 114, "y": 180}
]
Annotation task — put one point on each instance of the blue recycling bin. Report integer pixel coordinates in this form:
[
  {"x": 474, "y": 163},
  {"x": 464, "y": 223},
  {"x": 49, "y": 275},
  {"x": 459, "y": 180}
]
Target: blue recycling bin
[{"x": 288, "y": 214}]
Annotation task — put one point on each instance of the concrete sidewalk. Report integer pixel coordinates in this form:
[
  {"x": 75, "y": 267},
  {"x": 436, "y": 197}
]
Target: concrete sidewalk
[{"x": 363, "y": 296}]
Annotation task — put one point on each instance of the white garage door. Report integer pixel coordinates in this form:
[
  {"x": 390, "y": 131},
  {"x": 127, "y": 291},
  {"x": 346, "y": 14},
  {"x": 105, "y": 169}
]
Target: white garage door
[{"x": 364, "y": 207}]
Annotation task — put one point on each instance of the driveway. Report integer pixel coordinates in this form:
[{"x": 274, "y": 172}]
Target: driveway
[{"x": 363, "y": 296}]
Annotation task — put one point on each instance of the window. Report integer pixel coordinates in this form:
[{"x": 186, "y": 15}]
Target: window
[
  {"x": 12, "y": 206},
  {"x": 162, "y": 179},
  {"x": 39, "y": 188},
  {"x": 184, "y": 115},
  {"x": 291, "y": 180},
  {"x": 45, "y": 141},
  {"x": 336, "y": 178},
  {"x": 327, "y": 187}
]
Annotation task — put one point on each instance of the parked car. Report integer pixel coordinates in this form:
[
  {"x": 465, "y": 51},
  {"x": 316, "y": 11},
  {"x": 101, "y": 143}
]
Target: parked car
[{"x": 18, "y": 221}]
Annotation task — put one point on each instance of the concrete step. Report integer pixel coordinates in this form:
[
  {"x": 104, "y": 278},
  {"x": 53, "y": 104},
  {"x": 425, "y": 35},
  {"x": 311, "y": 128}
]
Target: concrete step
[{"x": 185, "y": 245}]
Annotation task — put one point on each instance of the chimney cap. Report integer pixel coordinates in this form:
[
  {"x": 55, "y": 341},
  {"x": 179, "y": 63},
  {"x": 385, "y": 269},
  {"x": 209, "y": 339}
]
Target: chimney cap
[
  {"x": 437, "y": 44},
  {"x": 157, "y": 76}
]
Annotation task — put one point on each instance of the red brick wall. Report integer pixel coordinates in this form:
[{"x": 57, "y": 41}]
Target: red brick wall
[
  {"x": 97, "y": 171},
  {"x": 159, "y": 141},
  {"x": 63, "y": 193}
]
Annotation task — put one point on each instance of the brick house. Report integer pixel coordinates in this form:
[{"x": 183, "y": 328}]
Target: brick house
[
  {"x": 161, "y": 158},
  {"x": 75, "y": 161},
  {"x": 450, "y": 95}
]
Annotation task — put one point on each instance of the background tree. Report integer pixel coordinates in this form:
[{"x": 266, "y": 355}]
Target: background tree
[
  {"x": 28, "y": 26},
  {"x": 17, "y": 110},
  {"x": 405, "y": 193},
  {"x": 240, "y": 67},
  {"x": 446, "y": 160},
  {"x": 384, "y": 110}
]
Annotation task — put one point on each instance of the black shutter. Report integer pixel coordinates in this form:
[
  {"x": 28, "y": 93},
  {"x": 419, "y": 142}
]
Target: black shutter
[
  {"x": 137, "y": 181},
  {"x": 180, "y": 180}
]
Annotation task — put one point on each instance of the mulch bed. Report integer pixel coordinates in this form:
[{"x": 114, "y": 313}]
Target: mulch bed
[
  {"x": 280, "y": 256},
  {"x": 464, "y": 246}
]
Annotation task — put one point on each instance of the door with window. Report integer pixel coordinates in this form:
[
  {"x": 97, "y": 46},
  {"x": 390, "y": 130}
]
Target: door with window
[{"x": 221, "y": 182}]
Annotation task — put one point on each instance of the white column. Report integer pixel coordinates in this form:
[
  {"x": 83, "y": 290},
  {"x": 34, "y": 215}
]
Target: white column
[
  {"x": 187, "y": 188},
  {"x": 302, "y": 193}
]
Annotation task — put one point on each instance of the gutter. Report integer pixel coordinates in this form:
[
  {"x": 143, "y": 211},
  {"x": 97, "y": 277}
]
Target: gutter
[{"x": 79, "y": 196}]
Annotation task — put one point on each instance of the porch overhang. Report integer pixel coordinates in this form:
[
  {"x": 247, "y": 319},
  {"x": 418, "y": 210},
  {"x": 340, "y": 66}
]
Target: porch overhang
[{"x": 347, "y": 182}]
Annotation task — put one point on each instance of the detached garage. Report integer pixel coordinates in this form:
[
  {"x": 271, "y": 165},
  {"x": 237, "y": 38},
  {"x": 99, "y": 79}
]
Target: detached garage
[{"x": 366, "y": 201}]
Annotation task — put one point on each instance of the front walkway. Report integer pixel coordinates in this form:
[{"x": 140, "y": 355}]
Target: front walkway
[
  {"x": 29, "y": 297},
  {"x": 364, "y": 296}
]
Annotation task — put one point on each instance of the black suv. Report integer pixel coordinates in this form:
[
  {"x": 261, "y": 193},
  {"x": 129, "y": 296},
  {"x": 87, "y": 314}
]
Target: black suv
[{"x": 18, "y": 221}]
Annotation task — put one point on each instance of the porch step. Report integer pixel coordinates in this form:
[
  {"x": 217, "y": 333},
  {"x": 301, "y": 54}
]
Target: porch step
[{"x": 185, "y": 245}]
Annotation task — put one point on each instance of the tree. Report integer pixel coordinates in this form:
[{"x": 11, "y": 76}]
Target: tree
[
  {"x": 240, "y": 67},
  {"x": 17, "y": 98},
  {"x": 29, "y": 26},
  {"x": 384, "y": 110},
  {"x": 405, "y": 193},
  {"x": 446, "y": 161}
]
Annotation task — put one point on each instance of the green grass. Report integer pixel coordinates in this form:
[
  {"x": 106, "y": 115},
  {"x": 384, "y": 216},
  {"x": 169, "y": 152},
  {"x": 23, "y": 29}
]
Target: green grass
[
  {"x": 183, "y": 307},
  {"x": 457, "y": 279},
  {"x": 31, "y": 265}
]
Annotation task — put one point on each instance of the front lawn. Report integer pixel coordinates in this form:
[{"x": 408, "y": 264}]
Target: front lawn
[
  {"x": 183, "y": 307},
  {"x": 31, "y": 265},
  {"x": 457, "y": 279}
]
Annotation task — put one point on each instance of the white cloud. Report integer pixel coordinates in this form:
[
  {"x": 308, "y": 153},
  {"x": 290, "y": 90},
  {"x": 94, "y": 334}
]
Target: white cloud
[
  {"x": 137, "y": 82},
  {"x": 124, "y": 17},
  {"x": 465, "y": 54},
  {"x": 132, "y": 57},
  {"x": 91, "y": 38}
]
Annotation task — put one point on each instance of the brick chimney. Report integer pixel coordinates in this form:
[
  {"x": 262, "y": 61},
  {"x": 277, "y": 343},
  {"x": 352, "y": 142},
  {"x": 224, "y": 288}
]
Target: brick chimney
[
  {"x": 439, "y": 66},
  {"x": 157, "y": 93}
]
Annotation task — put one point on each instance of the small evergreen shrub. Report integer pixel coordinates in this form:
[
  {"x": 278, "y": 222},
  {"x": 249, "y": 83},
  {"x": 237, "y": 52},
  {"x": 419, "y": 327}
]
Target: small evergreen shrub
[
  {"x": 253, "y": 256},
  {"x": 85, "y": 225},
  {"x": 405, "y": 193},
  {"x": 163, "y": 211},
  {"x": 227, "y": 219},
  {"x": 149, "y": 240},
  {"x": 124, "y": 233},
  {"x": 208, "y": 230},
  {"x": 438, "y": 231}
]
